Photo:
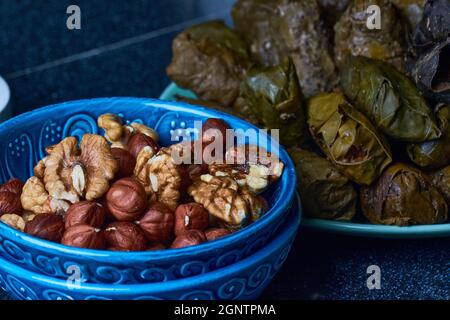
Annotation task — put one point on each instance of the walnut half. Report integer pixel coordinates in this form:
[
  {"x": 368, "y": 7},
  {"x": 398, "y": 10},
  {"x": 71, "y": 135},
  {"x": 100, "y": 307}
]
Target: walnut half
[
  {"x": 250, "y": 166},
  {"x": 71, "y": 174},
  {"x": 142, "y": 128},
  {"x": 13, "y": 220},
  {"x": 119, "y": 134},
  {"x": 36, "y": 199},
  {"x": 220, "y": 196},
  {"x": 160, "y": 178},
  {"x": 255, "y": 177},
  {"x": 112, "y": 124},
  {"x": 224, "y": 199}
]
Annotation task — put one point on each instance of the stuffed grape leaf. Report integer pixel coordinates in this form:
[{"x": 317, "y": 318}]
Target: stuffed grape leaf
[
  {"x": 441, "y": 180},
  {"x": 210, "y": 59},
  {"x": 347, "y": 137},
  {"x": 274, "y": 98},
  {"x": 353, "y": 37},
  {"x": 389, "y": 99},
  {"x": 403, "y": 196},
  {"x": 434, "y": 153},
  {"x": 276, "y": 29},
  {"x": 325, "y": 192}
]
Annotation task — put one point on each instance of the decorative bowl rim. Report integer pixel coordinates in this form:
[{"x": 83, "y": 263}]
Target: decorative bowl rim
[
  {"x": 289, "y": 230},
  {"x": 279, "y": 208}
]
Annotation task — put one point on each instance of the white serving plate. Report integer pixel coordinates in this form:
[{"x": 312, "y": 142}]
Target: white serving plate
[{"x": 5, "y": 95}]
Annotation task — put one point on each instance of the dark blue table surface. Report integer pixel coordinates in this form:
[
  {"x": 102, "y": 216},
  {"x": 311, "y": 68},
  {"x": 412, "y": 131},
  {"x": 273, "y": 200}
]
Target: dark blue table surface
[{"x": 122, "y": 50}]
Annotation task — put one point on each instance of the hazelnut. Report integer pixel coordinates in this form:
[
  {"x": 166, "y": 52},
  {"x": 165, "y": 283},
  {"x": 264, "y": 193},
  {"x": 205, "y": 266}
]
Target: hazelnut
[
  {"x": 125, "y": 236},
  {"x": 14, "y": 185},
  {"x": 189, "y": 238},
  {"x": 116, "y": 249},
  {"x": 216, "y": 233},
  {"x": 156, "y": 246},
  {"x": 139, "y": 141},
  {"x": 84, "y": 236},
  {"x": 214, "y": 128},
  {"x": 109, "y": 217},
  {"x": 125, "y": 161},
  {"x": 14, "y": 221},
  {"x": 157, "y": 222},
  {"x": 190, "y": 216},
  {"x": 126, "y": 200},
  {"x": 85, "y": 212},
  {"x": 46, "y": 226},
  {"x": 10, "y": 203},
  {"x": 142, "y": 128}
]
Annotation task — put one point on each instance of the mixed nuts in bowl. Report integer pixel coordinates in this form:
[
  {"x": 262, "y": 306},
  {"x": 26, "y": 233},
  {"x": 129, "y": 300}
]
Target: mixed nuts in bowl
[{"x": 111, "y": 204}]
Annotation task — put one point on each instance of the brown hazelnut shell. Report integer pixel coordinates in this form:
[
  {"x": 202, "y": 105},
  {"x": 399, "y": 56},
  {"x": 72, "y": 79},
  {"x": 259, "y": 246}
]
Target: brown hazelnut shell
[
  {"x": 157, "y": 222},
  {"x": 14, "y": 185},
  {"x": 84, "y": 236},
  {"x": 126, "y": 200},
  {"x": 85, "y": 212},
  {"x": 139, "y": 141},
  {"x": 125, "y": 236},
  {"x": 213, "y": 128},
  {"x": 216, "y": 233},
  {"x": 10, "y": 203},
  {"x": 47, "y": 226},
  {"x": 190, "y": 216},
  {"x": 156, "y": 246},
  {"x": 189, "y": 238},
  {"x": 125, "y": 161},
  {"x": 116, "y": 249}
]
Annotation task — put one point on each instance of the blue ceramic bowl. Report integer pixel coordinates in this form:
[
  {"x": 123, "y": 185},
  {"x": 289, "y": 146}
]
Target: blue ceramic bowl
[
  {"x": 245, "y": 279},
  {"x": 23, "y": 140}
]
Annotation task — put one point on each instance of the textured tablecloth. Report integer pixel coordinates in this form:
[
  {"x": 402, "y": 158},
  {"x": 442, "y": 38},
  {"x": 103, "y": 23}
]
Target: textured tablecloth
[{"x": 122, "y": 50}]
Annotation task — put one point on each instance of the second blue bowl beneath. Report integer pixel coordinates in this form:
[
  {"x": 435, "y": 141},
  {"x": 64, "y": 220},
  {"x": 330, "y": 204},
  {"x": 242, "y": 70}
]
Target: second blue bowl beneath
[{"x": 245, "y": 279}]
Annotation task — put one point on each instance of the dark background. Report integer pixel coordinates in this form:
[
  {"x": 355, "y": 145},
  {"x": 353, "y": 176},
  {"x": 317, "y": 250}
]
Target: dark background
[{"x": 122, "y": 50}]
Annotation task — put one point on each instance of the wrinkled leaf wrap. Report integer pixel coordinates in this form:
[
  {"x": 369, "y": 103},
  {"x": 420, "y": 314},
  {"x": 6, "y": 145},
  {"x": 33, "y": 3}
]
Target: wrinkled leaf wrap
[
  {"x": 274, "y": 98},
  {"x": 276, "y": 29},
  {"x": 210, "y": 59},
  {"x": 431, "y": 72},
  {"x": 353, "y": 37},
  {"x": 403, "y": 196},
  {"x": 434, "y": 26},
  {"x": 434, "y": 153},
  {"x": 332, "y": 10},
  {"x": 411, "y": 10},
  {"x": 347, "y": 138},
  {"x": 325, "y": 192},
  {"x": 441, "y": 180},
  {"x": 389, "y": 99},
  {"x": 429, "y": 63}
]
